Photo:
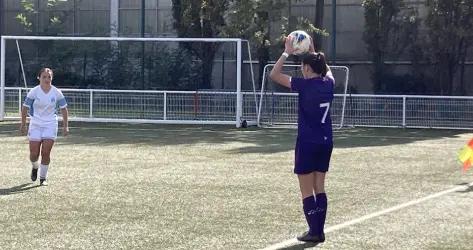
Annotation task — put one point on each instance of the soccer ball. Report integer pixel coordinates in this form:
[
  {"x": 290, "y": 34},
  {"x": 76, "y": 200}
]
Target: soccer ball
[{"x": 301, "y": 43}]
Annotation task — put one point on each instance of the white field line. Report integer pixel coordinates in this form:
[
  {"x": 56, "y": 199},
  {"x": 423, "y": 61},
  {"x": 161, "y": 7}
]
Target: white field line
[{"x": 294, "y": 241}]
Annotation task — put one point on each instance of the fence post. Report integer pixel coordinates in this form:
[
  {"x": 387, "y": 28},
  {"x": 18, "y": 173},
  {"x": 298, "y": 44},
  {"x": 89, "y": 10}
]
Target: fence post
[
  {"x": 19, "y": 101},
  {"x": 91, "y": 103},
  {"x": 165, "y": 106},
  {"x": 404, "y": 111}
]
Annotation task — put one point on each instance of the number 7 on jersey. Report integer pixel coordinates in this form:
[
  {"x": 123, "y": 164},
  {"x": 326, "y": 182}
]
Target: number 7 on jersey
[{"x": 325, "y": 105}]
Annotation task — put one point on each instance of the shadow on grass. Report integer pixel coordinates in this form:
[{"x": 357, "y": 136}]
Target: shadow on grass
[
  {"x": 254, "y": 140},
  {"x": 17, "y": 189},
  {"x": 301, "y": 246}
]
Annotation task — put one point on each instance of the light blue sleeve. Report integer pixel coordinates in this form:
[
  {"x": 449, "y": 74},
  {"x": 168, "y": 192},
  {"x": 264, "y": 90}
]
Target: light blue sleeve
[
  {"x": 29, "y": 99},
  {"x": 61, "y": 99}
]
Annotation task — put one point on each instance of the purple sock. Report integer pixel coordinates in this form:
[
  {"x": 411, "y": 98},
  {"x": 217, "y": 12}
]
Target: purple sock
[
  {"x": 320, "y": 213},
  {"x": 310, "y": 213}
]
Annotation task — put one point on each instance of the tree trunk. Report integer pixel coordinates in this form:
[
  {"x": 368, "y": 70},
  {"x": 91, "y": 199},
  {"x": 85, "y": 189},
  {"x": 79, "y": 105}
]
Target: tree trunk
[
  {"x": 263, "y": 57},
  {"x": 463, "y": 55},
  {"x": 461, "y": 88},
  {"x": 319, "y": 23},
  {"x": 207, "y": 57},
  {"x": 378, "y": 70}
]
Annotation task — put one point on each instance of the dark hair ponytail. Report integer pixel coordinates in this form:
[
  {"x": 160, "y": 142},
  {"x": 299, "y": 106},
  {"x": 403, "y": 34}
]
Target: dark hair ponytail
[{"x": 317, "y": 62}]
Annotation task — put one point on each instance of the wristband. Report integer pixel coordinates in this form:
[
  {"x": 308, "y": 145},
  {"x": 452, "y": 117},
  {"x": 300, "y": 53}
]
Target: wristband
[{"x": 286, "y": 55}]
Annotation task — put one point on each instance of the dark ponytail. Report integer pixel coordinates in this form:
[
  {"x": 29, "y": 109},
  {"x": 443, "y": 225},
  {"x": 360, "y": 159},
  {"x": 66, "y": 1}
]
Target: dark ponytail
[{"x": 317, "y": 62}]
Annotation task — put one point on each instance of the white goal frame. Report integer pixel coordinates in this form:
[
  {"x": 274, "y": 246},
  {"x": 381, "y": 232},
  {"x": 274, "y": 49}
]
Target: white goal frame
[{"x": 239, "y": 95}]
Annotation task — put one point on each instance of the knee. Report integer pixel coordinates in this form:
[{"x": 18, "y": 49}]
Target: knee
[
  {"x": 306, "y": 190},
  {"x": 319, "y": 187},
  {"x": 34, "y": 155},
  {"x": 45, "y": 153}
]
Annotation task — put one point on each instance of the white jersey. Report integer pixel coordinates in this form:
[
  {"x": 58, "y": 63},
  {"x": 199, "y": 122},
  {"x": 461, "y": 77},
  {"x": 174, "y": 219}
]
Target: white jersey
[{"x": 43, "y": 106}]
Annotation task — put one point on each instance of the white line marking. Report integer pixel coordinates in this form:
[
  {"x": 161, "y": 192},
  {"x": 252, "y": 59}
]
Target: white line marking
[{"x": 294, "y": 241}]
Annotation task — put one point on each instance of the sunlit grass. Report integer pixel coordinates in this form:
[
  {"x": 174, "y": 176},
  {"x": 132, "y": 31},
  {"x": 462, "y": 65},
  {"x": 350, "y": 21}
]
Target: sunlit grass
[{"x": 216, "y": 187}]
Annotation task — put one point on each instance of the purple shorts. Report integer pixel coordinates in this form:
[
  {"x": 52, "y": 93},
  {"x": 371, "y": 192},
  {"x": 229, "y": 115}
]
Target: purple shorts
[{"x": 310, "y": 157}]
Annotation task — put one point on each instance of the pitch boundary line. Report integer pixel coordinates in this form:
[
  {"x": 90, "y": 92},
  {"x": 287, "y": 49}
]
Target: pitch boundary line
[{"x": 294, "y": 241}]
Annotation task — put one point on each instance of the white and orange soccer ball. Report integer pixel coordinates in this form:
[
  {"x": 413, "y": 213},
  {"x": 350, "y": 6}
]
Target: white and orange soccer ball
[{"x": 301, "y": 43}]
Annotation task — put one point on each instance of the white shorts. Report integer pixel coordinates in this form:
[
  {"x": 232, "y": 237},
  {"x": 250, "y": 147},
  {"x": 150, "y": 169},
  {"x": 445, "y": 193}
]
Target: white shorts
[{"x": 39, "y": 133}]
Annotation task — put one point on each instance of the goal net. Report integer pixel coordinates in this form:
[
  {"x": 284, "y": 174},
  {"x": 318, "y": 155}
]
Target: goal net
[
  {"x": 152, "y": 80},
  {"x": 278, "y": 106}
]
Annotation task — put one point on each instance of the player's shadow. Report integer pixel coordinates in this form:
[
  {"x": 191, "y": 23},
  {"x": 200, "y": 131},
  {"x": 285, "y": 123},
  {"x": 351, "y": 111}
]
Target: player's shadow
[
  {"x": 17, "y": 189},
  {"x": 301, "y": 246}
]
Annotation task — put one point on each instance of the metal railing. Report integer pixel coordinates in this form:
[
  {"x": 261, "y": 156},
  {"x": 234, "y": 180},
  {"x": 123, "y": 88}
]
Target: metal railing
[{"x": 206, "y": 107}]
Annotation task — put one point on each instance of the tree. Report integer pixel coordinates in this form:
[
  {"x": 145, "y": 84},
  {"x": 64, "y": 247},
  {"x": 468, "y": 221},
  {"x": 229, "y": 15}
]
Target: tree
[
  {"x": 449, "y": 36},
  {"x": 102, "y": 66},
  {"x": 200, "y": 19},
  {"x": 247, "y": 19},
  {"x": 252, "y": 20},
  {"x": 55, "y": 19},
  {"x": 319, "y": 21},
  {"x": 387, "y": 32},
  {"x": 28, "y": 18}
]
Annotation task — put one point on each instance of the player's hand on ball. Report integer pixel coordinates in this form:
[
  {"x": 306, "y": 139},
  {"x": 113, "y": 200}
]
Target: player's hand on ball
[{"x": 288, "y": 48}]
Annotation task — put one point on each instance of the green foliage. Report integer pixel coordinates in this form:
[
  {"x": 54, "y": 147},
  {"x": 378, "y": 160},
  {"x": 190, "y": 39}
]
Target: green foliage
[
  {"x": 392, "y": 29},
  {"x": 389, "y": 26},
  {"x": 173, "y": 69},
  {"x": 248, "y": 19},
  {"x": 200, "y": 19},
  {"x": 251, "y": 19},
  {"x": 23, "y": 19},
  {"x": 55, "y": 19},
  {"x": 450, "y": 25},
  {"x": 405, "y": 84}
]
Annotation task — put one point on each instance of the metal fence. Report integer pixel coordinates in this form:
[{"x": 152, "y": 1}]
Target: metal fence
[
  {"x": 408, "y": 111},
  {"x": 188, "y": 107},
  {"x": 411, "y": 111}
]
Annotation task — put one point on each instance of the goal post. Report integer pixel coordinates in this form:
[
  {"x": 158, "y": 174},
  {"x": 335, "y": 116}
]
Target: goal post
[
  {"x": 211, "y": 96},
  {"x": 278, "y": 106}
]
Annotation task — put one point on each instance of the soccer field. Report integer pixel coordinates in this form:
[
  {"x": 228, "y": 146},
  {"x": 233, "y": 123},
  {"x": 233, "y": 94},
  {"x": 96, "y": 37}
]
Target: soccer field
[{"x": 121, "y": 186}]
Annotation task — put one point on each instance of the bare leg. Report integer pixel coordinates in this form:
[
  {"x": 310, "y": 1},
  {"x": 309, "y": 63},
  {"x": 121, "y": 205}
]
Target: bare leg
[
  {"x": 34, "y": 155},
  {"x": 34, "y": 150},
  {"x": 306, "y": 184},
  {"x": 319, "y": 182},
  {"x": 47, "y": 145}
]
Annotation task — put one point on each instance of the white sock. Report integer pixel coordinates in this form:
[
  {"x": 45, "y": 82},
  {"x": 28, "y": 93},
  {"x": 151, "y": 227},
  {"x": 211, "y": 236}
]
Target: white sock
[
  {"x": 35, "y": 164},
  {"x": 43, "y": 171}
]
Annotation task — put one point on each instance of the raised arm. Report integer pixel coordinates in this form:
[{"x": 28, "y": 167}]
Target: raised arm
[{"x": 276, "y": 75}]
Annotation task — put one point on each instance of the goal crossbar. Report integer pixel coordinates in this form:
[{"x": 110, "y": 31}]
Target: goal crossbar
[{"x": 130, "y": 39}]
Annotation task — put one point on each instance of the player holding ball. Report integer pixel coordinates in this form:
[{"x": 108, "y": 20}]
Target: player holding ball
[{"x": 314, "y": 142}]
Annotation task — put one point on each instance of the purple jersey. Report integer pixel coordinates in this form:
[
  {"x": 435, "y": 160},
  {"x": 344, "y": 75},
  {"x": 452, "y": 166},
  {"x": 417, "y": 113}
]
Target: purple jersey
[{"x": 315, "y": 99}]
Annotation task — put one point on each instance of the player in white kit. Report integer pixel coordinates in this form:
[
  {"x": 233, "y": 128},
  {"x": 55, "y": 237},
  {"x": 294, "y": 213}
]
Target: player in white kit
[{"x": 42, "y": 102}]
